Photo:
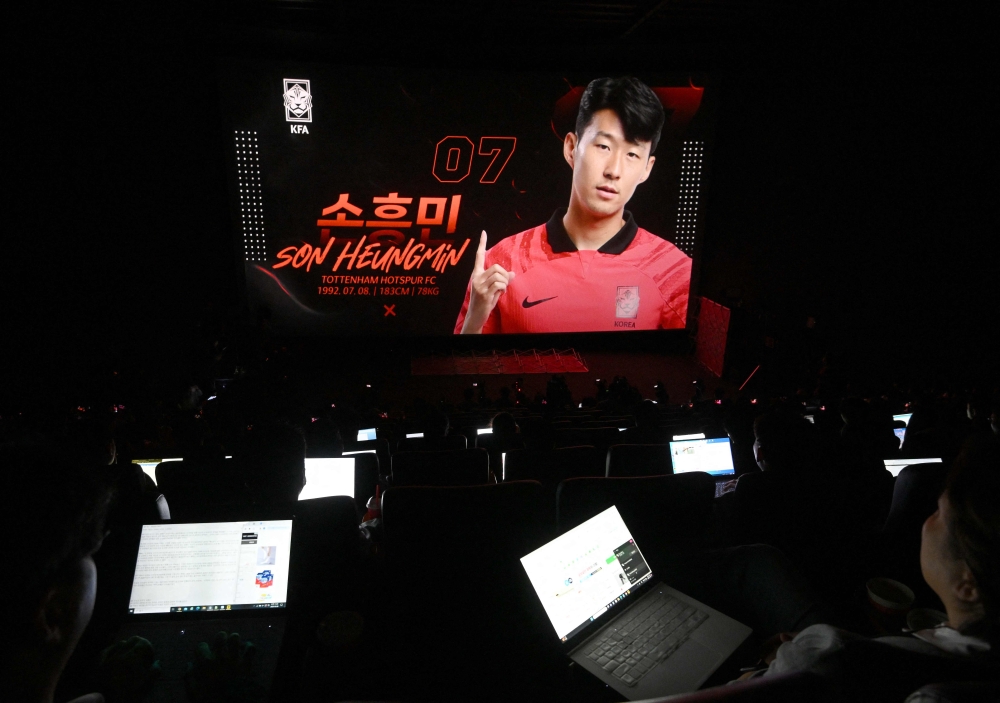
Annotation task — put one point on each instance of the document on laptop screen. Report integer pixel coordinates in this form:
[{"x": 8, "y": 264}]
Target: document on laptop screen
[
  {"x": 212, "y": 566},
  {"x": 583, "y": 572},
  {"x": 713, "y": 456},
  {"x": 328, "y": 477}
]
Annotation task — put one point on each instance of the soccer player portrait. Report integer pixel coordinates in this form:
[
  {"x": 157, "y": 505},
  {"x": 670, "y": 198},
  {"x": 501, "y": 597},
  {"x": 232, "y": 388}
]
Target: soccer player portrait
[{"x": 590, "y": 267}]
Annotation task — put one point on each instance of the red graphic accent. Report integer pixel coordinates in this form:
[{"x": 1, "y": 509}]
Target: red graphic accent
[
  {"x": 341, "y": 219},
  {"x": 389, "y": 310},
  {"x": 680, "y": 104},
  {"x": 495, "y": 147},
  {"x": 439, "y": 205},
  {"x": 456, "y": 201},
  {"x": 713, "y": 328},
  {"x": 450, "y": 171}
]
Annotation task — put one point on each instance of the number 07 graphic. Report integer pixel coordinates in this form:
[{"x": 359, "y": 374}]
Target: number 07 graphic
[{"x": 453, "y": 157}]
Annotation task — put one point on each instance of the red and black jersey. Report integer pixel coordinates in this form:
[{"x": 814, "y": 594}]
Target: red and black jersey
[{"x": 636, "y": 281}]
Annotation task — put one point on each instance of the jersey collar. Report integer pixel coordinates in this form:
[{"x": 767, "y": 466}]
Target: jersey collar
[{"x": 560, "y": 242}]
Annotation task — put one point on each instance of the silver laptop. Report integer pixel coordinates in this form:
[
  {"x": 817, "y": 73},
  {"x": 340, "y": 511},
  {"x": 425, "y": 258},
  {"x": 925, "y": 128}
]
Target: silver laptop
[
  {"x": 640, "y": 637},
  {"x": 193, "y": 580},
  {"x": 713, "y": 456},
  {"x": 328, "y": 477}
]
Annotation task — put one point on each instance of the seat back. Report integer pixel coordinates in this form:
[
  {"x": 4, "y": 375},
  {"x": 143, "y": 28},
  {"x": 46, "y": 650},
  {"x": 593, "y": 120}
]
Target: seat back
[
  {"x": 551, "y": 467},
  {"x": 456, "y": 585},
  {"x": 433, "y": 444},
  {"x": 638, "y": 460},
  {"x": 661, "y": 512},
  {"x": 366, "y": 477},
  {"x": 600, "y": 437},
  {"x": 460, "y": 467},
  {"x": 195, "y": 486}
]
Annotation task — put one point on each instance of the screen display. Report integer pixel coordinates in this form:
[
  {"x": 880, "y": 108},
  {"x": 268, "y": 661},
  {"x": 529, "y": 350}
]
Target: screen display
[
  {"x": 328, "y": 477},
  {"x": 713, "y": 456},
  {"x": 905, "y": 417},
  {"x": 211, "y": 566},
  {"x": 581, "y": 574},
  {"x": 366, "y": 435},
  {"x": 894, "y": 466},
  {"x": 360, "y": 194},
  {"x": 149, "y": 465}
]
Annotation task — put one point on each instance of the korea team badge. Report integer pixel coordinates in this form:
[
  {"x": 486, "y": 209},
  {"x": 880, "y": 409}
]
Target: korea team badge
[
  {"x": 627, "y": 301},
  {"x": 298, "y": 100}
]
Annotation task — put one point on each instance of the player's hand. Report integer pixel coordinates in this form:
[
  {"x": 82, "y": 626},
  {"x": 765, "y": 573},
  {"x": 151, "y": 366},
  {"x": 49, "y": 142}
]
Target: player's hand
[
  {"x": 127, "y": 670},
  {"x": 223, "y": 671},
  {"x": 485, "y": 288}
]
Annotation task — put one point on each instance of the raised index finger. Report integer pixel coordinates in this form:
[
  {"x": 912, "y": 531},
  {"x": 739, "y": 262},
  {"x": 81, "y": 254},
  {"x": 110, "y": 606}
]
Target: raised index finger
[{"x": 481, "y": 254}]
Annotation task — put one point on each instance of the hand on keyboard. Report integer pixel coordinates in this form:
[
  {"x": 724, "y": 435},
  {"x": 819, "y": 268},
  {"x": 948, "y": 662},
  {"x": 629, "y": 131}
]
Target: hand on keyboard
[
  {"x": 127, "y": 670},
  {"x": 223, "y": 671}
]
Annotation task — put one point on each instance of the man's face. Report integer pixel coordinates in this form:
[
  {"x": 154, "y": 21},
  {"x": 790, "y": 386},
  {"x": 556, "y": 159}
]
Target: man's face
[{"x": 606, "y": 167}]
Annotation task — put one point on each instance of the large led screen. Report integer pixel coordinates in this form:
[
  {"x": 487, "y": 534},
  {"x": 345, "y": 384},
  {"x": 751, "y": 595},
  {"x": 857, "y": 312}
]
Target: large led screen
[{"x": 397, "y": 201}]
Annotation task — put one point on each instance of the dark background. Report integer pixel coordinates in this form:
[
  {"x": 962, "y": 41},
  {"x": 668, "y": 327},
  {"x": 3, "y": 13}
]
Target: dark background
[{"x": 853, "y": 180}]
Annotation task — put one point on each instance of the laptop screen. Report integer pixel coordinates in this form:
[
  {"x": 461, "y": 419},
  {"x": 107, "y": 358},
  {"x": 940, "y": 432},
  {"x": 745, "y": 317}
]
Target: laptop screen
[
  {"x": 484, "y": 430},
  {"x": 210, "y": 566},
  {"x": 328, "y": 477},
  {"x": 697, "y": 435},
  {"x": 414, "y": 435},
  {"x": 894, "y": 466},
  {"x": 366, "y": 435},
  {"x": 713, "y": 456},
  {"x": 360, "y": 451},
  {"x": 905, "y": 417},
  {"x": 149, "y": 465},
  {"x": 579, "y": 575}
]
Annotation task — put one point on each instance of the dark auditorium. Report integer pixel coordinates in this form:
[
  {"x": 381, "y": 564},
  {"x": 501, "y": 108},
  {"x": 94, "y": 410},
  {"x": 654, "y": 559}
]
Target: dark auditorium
[{"x": 567, "y": 352}]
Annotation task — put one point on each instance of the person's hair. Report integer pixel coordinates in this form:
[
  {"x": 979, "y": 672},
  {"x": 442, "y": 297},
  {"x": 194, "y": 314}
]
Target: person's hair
[
  {"x": 973, "y": 491},
  {"x": 638, "y": 108},
  {"x": 785, "y": 438},
  {"x": 56, "y": 508},
  {"x": 504, "y": 424},
  {"x": 275, "y": 459},
  {"x": 434, "y": 423}
]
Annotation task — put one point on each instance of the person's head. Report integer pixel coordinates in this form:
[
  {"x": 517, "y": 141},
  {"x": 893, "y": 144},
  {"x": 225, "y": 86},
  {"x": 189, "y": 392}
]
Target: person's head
[
  {"x": 611, "y": 151},
  {"x": 647, "y": 415},
  {"x": 960, "y": 542},
  {"x": 55, "y": 519},
  {"x": 275, "y": 462},
  {"x": 781, "y": 441},
  {"x": 504, "y": 425},
  {"x": 434, "y": 423}
]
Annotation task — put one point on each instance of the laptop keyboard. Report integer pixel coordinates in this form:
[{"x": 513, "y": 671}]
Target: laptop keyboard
[{"x": 646, "y": 635}]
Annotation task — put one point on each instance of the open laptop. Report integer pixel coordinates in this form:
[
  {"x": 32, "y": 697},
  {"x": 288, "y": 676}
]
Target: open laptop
[
  {"x": 366, "y": 434},
  {"x": 640, "y": 637},
  {"x": 193, "y": 580},
  {"x": 894, "y": 466},
  {"x": 713, "y": 456},
  {"x": 148, "y": 466}
]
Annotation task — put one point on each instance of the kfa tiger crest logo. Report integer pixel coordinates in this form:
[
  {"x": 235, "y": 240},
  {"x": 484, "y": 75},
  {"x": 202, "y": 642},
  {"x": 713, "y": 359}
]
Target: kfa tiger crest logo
[
  {"x": 298, "y": 100},
  {"x": 627, "y": 301}
]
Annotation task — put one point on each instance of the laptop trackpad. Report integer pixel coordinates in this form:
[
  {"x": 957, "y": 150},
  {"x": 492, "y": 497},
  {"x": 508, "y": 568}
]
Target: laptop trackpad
[{"x": 682, "y": 672}]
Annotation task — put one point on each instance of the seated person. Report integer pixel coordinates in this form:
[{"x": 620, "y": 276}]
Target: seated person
[
  {"x": 55, "y": 523},
  {"x": 275, "y": 463},
  {"x": 960, "y": 561}
]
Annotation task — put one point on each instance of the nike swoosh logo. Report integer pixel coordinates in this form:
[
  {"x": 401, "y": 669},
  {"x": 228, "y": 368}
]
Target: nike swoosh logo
[{"x": 529, "y": 304}]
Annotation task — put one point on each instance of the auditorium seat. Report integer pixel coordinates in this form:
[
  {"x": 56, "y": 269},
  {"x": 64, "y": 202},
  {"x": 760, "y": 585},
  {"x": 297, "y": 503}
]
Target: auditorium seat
[
  {"x": 432, "y": 444},
  {"x": 660, "y": 511},
  {"x": 551, "y": 467},
  {"x": 638, "y": 460},
  {"x": 460, "y": 467},
  {"x": 457, "y": 602},
  {"x": 366, "y": 477},
  {"x": 600, "y": 437},
  {"x": 914, "y": 498},
  {"x": 196, "y": 485}
]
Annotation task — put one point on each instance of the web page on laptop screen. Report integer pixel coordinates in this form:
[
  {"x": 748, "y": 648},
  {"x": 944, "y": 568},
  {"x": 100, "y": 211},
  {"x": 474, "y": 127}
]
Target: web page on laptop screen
[
  {"x": 328, "y": 477},
  {"x": 212, "y": 566},
  {"x": 710, "y": 455},
  {"x": 582, "y": 573}
]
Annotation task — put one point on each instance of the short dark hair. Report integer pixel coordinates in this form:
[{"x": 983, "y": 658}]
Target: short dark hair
[
  {"x": 973, "y": 491},
  {"x": 636, "y": 105}
]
